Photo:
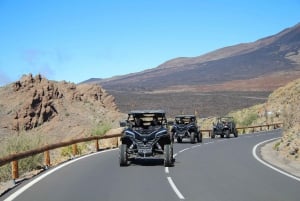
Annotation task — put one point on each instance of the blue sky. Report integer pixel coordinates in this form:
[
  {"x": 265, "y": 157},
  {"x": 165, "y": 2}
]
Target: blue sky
[{"x": 75, "y": 40}]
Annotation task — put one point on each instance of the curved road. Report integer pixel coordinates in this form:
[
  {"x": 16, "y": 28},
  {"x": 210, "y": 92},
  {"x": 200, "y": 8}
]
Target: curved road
[{"x": 216, "y": 170}]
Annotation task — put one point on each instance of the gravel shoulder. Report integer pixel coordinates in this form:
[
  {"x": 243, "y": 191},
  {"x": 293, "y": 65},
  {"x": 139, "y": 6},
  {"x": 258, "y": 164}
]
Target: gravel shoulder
[{"x": 272, "y": 157}]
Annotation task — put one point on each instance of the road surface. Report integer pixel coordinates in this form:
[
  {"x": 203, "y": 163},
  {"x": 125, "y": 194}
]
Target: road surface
[{"x": 215, "y": 170}]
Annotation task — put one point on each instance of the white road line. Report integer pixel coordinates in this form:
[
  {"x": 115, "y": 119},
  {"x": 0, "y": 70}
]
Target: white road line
[
  {"x": 209, "y": 142},
  {"x": 24, "y": 188},
  {"x": 175, "y": 189},
  {"x": 167, "y": 170},
  {"x": 184, "y": 150},
  {"x": 267, "y": 164}
]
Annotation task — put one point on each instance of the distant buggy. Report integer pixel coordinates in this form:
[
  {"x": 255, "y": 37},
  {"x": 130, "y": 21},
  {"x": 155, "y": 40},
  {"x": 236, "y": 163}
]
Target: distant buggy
[
  {"x": 146, "y": 136},
  {"x": 185, "y": 126},
  {"x": 224, "y": 127}
]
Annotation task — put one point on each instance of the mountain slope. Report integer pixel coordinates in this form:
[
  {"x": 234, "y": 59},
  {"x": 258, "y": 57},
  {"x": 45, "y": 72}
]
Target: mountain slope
[{"x": 275, "y": 54}]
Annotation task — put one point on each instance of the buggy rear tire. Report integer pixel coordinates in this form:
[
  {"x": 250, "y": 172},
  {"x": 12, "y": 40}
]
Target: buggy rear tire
[
  {"x": 168, "y": 154},
  {"x": 179, "y": 140},
  {"x": 236, "y": 134},
  {"x": 199, "y": 137},
  {"x": 213, "y": 135},
  {"x": 193, "y": 140},
  {"x": 123, "y": 155}
]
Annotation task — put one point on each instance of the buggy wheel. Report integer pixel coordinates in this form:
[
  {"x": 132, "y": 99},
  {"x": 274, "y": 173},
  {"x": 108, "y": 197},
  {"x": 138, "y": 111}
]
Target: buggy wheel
[
  {"x": 179, "y": 140},
  {"x": 236, "y": 133},
  {"x": 168, "y": 153},
  {"x": 212, "y": 135},
  {"x": 193, "y": 137},
  {"x": 123, "y": 155},
  {"x": 200, "y": 137},
  {"x": 227, "y": 133}
]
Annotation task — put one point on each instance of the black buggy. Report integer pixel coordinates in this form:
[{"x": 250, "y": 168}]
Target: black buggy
[
  {"x": 224, "y": 127},
  {"x": 146, "y": 136},
  {"x": 185, "y": 126}
]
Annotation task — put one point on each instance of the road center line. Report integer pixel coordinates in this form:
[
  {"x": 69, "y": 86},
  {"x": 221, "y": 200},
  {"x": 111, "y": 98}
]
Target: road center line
[
  {"x": 175, "y": 189},
  {"x": 267, "y": 164},
  {"x": 167, "y": 170}
]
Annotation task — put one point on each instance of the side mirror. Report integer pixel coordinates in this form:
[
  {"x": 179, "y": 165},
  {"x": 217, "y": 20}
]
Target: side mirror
[{"x": 123, "y": 124}]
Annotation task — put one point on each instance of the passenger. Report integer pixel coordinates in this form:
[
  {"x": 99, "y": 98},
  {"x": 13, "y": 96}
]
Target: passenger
[{"x": 155, "y": 121}]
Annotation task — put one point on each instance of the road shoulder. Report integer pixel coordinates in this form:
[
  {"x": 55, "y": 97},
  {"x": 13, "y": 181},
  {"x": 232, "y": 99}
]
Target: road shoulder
[{"x": 272, "y": 157}]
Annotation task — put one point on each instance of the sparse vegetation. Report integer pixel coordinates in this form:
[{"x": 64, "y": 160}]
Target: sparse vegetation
[
  {"x": 67, "y": 151},
  {"x": 276, "y": 146},
  {"x": 16, "y": 144},
  {"x": 101, "y": 129},
  {"x": 249, "y": 119}
]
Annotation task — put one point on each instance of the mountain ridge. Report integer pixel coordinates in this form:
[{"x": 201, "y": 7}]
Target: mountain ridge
[{"x": 276, "y": 53}]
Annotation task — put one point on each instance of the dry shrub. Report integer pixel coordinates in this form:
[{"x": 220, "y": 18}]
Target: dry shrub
[{"x": 17, "y": 144}]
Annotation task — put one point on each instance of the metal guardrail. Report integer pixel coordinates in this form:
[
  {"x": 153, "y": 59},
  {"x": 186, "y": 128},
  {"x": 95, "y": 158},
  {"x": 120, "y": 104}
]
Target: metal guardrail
[
  {"x": 268, "y": 126},
  {"x": 13, "y": 158}
]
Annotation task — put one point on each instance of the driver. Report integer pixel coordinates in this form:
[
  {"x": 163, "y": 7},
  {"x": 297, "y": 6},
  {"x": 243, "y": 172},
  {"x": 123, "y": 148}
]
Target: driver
[{"x": 138, "y": 122}]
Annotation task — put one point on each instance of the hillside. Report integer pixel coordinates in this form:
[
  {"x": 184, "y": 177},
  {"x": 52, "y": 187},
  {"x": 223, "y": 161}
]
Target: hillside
[
  {"x": 285, "y": 102},
  {"x": 270, "y": 57},
  {"x": 282, "y": 106},
  {"x": 56, "y": 110},
  {"x": 215, "y": 83}
]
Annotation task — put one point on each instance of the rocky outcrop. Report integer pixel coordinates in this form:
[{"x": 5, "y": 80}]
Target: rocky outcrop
[
  {"x": 41, "y": 100},
  {"x": 38, "y": 106}
]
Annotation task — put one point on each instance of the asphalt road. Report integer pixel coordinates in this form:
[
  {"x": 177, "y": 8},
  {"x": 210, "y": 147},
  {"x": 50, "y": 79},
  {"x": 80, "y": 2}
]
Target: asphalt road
[{"x": 216, "y": 170}]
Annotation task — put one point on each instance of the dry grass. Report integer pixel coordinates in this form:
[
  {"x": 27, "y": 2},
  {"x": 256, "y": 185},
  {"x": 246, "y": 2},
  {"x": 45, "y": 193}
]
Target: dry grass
[{"x": 19, "y": 143}]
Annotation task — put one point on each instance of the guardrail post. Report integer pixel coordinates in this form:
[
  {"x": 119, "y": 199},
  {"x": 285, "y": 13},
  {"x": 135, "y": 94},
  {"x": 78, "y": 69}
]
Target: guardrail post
[
  {"x": 253, "y": 130},
  {"x": 261, "y": 128},
  {"x": 97, "y": 145},
  {"x": 117, "y": 145},
  {"x": 74, "y": 149},
  {"x": 47, "y": 158},
  {"x": 268, "y": 127},
  {"x": 244, "y": 131},
  {"x": 14, "y": 170}
]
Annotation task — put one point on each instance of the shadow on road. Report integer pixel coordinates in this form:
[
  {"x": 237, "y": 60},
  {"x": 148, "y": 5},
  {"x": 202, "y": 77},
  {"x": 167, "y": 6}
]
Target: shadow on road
[{"x": 147, "y": 161}]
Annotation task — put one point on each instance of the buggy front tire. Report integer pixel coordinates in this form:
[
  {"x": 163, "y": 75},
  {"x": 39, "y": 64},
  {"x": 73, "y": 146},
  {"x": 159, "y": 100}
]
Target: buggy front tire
[
  {"x": 123, "y": 155},
  {"x": 168, "y": 154},
  {"x": 227, "y": 133}
]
